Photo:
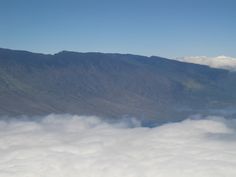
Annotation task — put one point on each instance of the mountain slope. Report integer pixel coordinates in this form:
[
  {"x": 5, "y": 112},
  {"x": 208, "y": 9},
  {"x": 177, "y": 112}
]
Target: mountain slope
[{"x": 110, "y": 85}]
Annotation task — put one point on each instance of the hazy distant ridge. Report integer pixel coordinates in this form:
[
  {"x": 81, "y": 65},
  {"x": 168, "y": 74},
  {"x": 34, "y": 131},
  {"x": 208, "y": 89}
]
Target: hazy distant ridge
[{"x": 110, "y": 85}]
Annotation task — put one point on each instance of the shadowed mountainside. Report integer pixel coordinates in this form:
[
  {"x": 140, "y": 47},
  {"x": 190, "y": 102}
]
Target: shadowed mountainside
[{"x": 111, "y": 85}]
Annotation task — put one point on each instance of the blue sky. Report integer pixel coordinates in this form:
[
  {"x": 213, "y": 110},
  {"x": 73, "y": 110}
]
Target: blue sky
[{"x": 169, "y": 28}]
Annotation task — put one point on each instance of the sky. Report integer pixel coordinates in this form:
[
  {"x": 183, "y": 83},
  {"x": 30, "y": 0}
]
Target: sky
[{"x": 168, "y": 28}]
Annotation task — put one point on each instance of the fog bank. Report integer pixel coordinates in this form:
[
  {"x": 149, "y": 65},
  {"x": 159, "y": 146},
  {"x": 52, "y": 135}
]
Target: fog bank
[
  {"x": 72, "y": 146},
  {"x": 221, "y": 62}
]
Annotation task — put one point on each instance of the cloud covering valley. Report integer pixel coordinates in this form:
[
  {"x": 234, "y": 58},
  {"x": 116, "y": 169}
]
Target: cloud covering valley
[
  {"x": 72, "y": 146},
  {"x": 221, "y": 62}
]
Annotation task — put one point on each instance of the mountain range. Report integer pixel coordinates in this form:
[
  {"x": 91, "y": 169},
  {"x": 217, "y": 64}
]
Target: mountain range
[{"x": 112, "y": 85}]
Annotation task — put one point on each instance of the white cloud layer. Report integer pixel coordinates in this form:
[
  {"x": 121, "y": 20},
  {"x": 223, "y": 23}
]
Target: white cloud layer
[
  {"x": 222, "y": 62},
  {"x": 72, "y": 146}
]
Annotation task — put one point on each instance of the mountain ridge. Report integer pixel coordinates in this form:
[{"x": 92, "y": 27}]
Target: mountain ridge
[{"x": 110, "y": 85}]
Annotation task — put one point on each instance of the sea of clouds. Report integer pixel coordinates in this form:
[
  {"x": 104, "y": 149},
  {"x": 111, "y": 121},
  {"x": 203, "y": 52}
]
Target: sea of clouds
[
  {"x": 221, "y": 62},
  {"x": 79, "y": 146}
]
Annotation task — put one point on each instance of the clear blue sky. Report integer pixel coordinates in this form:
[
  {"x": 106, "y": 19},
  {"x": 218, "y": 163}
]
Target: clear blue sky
[{"x": 169, "y": 28}]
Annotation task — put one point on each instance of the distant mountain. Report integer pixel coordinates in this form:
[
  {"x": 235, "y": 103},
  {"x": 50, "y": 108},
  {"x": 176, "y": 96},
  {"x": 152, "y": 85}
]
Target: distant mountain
[
  {"x": 111, "y": 85},
  {"x": 221, "y": 62}
]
